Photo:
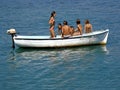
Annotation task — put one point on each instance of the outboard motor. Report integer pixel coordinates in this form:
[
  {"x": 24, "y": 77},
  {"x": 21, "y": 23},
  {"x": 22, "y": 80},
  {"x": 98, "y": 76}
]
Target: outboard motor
[{"x": 12, "y": 32}]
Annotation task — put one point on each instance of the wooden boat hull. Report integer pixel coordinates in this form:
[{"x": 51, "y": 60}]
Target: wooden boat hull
[{"x": 97, "y": 37}]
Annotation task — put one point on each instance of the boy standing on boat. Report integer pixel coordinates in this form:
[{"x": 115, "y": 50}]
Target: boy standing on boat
[{"x": 52, "y": 24}]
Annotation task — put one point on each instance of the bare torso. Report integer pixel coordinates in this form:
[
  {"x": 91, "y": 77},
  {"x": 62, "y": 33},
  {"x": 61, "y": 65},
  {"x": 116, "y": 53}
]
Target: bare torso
[
  {"x": 79, "y": 26},
  {"x": 65, "y": 30},
  {"x": 88, "y": 28}
]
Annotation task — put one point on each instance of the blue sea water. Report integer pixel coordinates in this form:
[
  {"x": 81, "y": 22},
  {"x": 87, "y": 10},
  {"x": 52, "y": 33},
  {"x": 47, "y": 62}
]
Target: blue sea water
[{"x": 80, "y": 68}]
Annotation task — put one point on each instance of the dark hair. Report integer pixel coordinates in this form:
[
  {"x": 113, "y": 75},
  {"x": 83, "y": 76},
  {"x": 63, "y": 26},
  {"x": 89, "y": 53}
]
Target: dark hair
[
  {"x": 71, "y": 26},
  {"x": 59, "y": 24},
  {"x": 87, "y": 21},
  {"x": 78, "y": 21},
  {"x": 65, "y": 22},
  {"x": 52, "y": 14}
]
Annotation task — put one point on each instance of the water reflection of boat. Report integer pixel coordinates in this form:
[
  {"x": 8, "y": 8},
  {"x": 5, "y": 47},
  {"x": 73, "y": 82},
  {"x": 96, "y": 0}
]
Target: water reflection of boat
[
  {"x": 41, "y": 54},
  {"x": 44, "y": 59}
]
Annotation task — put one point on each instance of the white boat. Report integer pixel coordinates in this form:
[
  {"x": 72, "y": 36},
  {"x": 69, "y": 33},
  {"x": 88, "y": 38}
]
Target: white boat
[{"x": 93, "y": 38}]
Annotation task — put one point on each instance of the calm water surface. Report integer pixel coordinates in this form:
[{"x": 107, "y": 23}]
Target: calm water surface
[{"x": 80, "y": 68}]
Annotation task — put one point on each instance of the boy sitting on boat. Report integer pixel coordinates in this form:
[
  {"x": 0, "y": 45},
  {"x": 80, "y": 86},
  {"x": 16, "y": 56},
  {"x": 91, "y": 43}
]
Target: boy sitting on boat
[
  {"x": 78, "y": 30},
  {"x": 66, "y": 30}
]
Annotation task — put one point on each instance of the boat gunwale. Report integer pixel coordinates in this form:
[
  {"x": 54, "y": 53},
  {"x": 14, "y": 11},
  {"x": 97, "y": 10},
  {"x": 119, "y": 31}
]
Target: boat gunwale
[{"x": 60, "y": 38}]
